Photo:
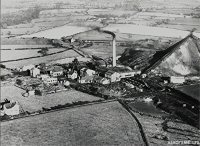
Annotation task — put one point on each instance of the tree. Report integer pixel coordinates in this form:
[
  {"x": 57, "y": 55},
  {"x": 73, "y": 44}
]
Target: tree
[
  {"x": 43, "y": 51},
  {"x": 2, "y": 66}
]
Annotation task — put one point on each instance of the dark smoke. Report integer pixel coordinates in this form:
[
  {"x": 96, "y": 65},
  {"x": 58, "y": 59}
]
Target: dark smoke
[{"x": 105, "y": 31}]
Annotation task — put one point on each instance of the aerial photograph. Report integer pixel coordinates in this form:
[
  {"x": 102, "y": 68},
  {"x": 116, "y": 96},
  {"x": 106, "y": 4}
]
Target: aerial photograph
[{"x": 100, "y": 73}]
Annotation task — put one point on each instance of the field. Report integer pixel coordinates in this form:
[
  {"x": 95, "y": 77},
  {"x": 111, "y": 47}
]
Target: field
[
  {"x": 19, "y": 54},
  {"x": 44, "y": 59},
  {"x": 58, "y": 32},
  {"x": 182, "y": 14},
  {"x": 102, "y": 124},
  {"x": 35, "y": 103},
  {"x": 146, "y": 30}
]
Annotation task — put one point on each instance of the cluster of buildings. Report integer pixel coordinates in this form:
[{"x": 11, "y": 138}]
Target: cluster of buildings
[{"x": 55, "y": 77}]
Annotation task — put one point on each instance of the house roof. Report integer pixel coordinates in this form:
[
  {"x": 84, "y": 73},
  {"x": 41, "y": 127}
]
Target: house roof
[
  {"x": 87, "y": 78},
  {"x": 110, "y": 72},
  {"x": 57, "y": 69},
  {"x": 120, "y": 69}
]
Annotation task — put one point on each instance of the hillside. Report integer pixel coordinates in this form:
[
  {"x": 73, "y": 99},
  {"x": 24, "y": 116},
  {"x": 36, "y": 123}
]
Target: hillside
[{"x": 181, "y": 58}]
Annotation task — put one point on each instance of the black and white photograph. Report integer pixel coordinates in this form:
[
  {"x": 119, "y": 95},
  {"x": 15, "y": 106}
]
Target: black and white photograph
[{"x": 100, "y": 73}]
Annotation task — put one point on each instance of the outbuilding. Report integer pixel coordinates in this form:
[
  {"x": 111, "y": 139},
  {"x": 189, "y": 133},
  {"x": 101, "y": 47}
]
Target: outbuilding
[{"x": 177, "y": 80}]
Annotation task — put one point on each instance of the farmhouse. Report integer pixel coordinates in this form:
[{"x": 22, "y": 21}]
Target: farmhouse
[{"x": 85, "y": 71}]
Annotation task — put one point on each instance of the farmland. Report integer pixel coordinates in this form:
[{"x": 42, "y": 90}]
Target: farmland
[
  {"x": 18, "y": 54},
  {"x": 79, "y": 16},
  {"x": 35, "y": 103},
  {"x": 42, "y": 59},
  {"x": 103, "y": 124}
]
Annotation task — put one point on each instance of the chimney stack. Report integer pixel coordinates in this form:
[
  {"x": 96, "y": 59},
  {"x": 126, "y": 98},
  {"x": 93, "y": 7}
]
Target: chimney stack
[{"x": 114, "y": 51}]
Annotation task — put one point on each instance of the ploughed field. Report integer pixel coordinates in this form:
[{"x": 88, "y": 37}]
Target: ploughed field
[{"x": 102, "y": 124}]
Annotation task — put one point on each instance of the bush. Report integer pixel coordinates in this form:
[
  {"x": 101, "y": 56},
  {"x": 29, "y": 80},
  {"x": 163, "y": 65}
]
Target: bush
[{"x": 2, "y": 66}]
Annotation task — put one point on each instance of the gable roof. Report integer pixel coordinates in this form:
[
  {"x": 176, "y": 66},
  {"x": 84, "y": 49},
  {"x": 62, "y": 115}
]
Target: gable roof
[{"x": 57, "y": 69}]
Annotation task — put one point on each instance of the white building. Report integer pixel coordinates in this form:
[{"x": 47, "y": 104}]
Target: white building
[
  {"x": 177, "y": 80},
  {"x": 35, "y": 72},
  {"x": 86, "y": 71},
  {"x": 27, "y": 67},
  {"x": 104, "y": 81},
  {"x": 31, "y": 92},
  {"x": 127, "y": 74},
  {"x": 51, "y": 80},
  {"x": 101, "y": 80},
  {"x": 72, "y": 75},
  {"x": 43, "y": 77},
  {"x": 56, "y": 71},
  {"x": 113, "y": 76},
  {"x": 11, "y": 109}
]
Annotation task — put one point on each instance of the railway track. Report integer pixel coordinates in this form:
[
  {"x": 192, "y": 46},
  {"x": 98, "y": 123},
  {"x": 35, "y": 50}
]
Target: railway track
[{"x": 144, "y": 137}]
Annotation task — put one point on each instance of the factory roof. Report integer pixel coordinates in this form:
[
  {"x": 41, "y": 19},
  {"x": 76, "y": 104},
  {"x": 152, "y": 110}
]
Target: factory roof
[{"x": 120, "y": 69}]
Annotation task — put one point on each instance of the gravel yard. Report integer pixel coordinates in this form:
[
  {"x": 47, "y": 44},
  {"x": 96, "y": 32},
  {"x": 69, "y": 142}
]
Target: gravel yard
[{"x": 102, "y": 124}]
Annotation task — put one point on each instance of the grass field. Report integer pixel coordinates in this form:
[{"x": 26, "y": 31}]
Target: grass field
[
  {"x": 101, "y": 125},
  {"x": 18, "y": 54},
  {"x": 44, "y": 59},
  {"x": 35, "y": 103}
]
